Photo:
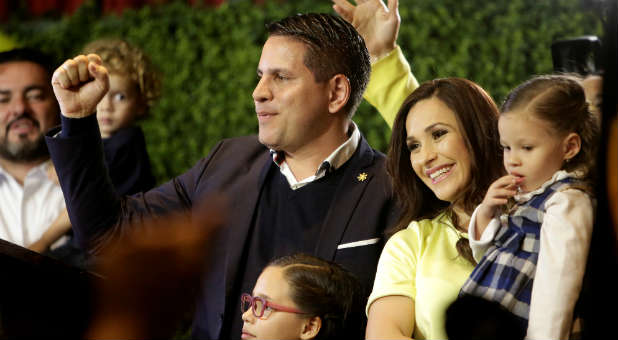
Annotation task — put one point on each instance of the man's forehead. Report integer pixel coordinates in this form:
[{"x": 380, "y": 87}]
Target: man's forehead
[
  {"x": 22, "y": 74},
  {"x": 281, "y": 53},
  {"x": 27, "y": 69}
]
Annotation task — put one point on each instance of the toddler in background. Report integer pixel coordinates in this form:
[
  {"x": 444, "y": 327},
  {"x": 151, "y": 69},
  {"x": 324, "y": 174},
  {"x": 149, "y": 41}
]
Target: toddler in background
[
  {"x": 535, "y": 253},
  {"x": 301, "y": 297},
  {"x": 134, "y": 86}
]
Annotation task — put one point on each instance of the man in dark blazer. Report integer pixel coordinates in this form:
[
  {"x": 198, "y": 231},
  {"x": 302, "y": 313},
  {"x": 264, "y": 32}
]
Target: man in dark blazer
[{"x": 309, "y": 182}]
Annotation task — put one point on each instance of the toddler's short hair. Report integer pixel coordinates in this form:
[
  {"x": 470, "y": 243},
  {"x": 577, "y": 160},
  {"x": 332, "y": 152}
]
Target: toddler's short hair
[{"x": 122, "y": 58}]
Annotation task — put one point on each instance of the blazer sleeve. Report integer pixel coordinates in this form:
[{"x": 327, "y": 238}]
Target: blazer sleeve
[
  {"x": 128, "y": 162},
  {"x": 97, "y": 212}
]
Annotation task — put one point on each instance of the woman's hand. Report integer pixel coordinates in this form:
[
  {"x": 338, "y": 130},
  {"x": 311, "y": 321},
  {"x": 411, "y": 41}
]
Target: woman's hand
[{"x": 376, "y": 23}]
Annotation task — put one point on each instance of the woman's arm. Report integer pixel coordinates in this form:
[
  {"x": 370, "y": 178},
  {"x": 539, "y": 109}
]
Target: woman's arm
[
  {"x": 391, "y": 78},
  {"x": 391, "y": 317},
  {"x": 390, "y": 309}
]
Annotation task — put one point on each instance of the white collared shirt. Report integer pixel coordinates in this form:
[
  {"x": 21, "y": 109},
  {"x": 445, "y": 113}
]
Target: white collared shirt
[
  {"x": 27, "y": 211},
  {"x": 336, "y": 159}
]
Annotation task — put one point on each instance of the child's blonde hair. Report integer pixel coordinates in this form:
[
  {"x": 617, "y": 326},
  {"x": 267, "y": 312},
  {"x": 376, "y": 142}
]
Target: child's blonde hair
[
  {"x": 122, "y": 58},
  {"x": 561, "y": 101}
]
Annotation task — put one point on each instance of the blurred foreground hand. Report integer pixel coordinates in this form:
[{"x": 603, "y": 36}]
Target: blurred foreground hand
[{"x": 153, "y": 275}]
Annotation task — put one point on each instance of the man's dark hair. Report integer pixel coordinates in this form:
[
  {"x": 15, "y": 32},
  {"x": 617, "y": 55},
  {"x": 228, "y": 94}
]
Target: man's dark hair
[
  {"x": 28, "y": 54},
  {"x": 333, "y": 47}
]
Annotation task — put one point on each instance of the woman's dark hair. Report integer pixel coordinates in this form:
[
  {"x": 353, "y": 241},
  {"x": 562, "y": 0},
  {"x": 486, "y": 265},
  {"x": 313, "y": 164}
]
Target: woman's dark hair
[
  {"x": 477, "y": 115},
  {"x": 324, "y": 289},
  {"x": 561, "y": 101}
]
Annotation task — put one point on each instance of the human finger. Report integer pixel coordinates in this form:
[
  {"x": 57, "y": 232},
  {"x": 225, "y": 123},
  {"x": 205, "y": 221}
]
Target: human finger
[
  {"x": 61, "y": 78},
  {"x": 58, "y": 78},
  {"x": 82, "y": 69},
  {"x": 495, "y": 202},
  {"x": 96, "y": 69},
  {"x": 94, "y": 58},
  {"x": 503, "y": 193},
  {"x": 393, "y": 5},
  {"x": 71, "y": 70},
  {"x": 500, "y": 183},
  {"x": 345, "y": 9}
]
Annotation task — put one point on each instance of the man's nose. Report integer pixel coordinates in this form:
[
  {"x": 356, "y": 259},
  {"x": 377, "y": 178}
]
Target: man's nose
[
  {"x": 17, "y": 107},
  {"x": 262, "y": 91}
]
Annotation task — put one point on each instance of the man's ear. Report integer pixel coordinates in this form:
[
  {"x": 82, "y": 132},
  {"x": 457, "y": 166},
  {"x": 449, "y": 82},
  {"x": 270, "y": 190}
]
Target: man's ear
[
  {"x": 339, "y": 92},
  {"x": 572, "y": 143},
  {"x": 311, "y": 328}
]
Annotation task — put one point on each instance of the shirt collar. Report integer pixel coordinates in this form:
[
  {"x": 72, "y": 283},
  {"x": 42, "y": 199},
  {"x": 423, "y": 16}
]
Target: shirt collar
[
  {"x": 335, "y": 160},
  {"x": 40, "y": 169},
  {"x": 558, "y": 175}
]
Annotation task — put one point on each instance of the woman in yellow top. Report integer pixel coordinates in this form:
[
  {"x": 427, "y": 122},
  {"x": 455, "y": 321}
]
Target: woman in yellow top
[{"x": 444, "y": 154}]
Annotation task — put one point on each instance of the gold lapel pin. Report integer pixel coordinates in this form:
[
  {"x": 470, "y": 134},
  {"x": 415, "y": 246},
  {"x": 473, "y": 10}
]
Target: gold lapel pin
[{"x": 362, "y": 176}]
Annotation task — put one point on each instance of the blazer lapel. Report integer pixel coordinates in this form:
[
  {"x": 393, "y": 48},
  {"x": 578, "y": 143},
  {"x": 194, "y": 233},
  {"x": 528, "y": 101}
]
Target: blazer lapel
[
  {"x": 242, "y": 213},
  {"x": 355, "y": 180}
]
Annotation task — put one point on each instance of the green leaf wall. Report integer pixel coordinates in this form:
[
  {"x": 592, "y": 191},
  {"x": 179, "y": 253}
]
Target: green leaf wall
[{"x": 208, "y": 57}]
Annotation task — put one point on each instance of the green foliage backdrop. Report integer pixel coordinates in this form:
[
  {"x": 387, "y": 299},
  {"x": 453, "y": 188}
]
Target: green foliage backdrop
[{"x": 208, "y": 57}]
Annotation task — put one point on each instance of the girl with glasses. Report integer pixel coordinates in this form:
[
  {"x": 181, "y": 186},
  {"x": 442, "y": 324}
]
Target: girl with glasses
[{"x": 300, "y": 297}]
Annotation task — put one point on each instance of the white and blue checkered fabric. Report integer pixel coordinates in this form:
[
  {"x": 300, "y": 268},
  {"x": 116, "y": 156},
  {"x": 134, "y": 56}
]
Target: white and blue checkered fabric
[{"x": 505, "y": 274}]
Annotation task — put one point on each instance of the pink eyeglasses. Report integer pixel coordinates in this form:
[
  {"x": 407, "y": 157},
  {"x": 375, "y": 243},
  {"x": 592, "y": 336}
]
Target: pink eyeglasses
[{"x": 261, "y": 307}]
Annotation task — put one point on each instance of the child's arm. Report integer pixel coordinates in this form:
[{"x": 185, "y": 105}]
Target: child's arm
[
  {"x": 497, "y": 195},
  {"x": 565, "y": 240},
  {"x": 59, "y": 227},
  {"x": 480, "y": 243}
]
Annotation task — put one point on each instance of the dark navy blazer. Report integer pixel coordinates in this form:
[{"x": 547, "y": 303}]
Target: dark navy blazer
[{"x": 363, "y": 206}]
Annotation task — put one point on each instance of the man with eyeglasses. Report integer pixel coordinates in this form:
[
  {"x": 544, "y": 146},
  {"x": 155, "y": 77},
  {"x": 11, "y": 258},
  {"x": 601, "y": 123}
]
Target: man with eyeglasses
[{"x": 309, "y": 182}]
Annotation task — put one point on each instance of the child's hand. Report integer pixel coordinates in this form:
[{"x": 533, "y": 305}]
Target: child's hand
[{"x": 497, "y": 195}]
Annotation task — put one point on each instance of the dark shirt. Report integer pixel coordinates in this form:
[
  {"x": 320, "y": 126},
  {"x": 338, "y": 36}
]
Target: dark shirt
[
  {"x": 288, "y": 222},
  {"x": 128, "y": 162}
]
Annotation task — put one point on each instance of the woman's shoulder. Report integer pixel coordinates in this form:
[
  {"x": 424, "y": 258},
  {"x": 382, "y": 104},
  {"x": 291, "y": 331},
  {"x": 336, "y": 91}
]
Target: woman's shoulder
[{"x": 422, "y": 229}]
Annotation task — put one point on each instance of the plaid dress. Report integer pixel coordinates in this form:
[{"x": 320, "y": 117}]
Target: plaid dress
[{"x": 505, "y": 274}]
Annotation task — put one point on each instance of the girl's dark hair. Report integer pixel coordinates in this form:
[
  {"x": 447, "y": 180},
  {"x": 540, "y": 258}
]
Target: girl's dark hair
[
  {"x": 561, "y": 101},
  {"x": 477, "y": 115},
  {"x": 325, "y": 289}
]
